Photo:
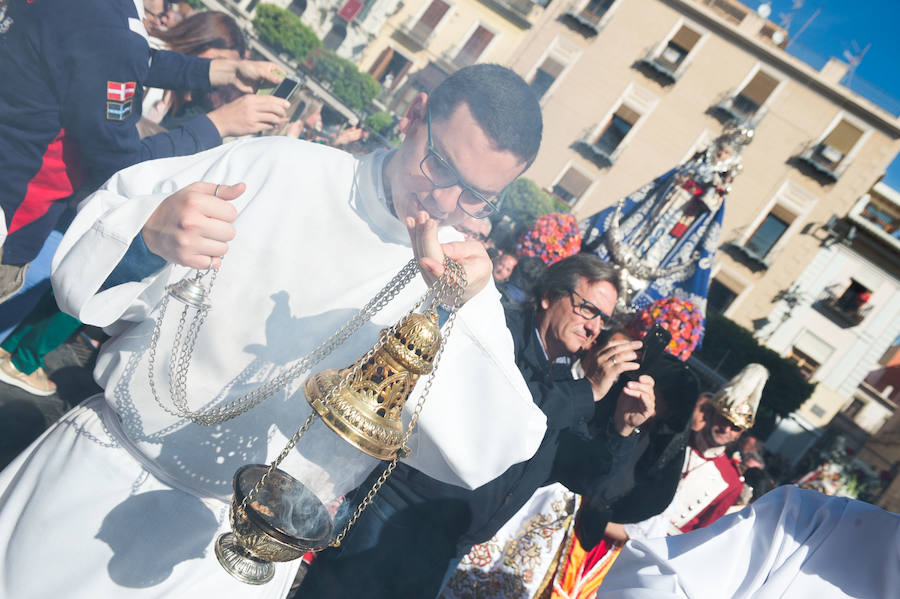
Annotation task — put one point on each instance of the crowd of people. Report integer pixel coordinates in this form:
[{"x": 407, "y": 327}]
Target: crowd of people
[{"x": 565, "y": 448}]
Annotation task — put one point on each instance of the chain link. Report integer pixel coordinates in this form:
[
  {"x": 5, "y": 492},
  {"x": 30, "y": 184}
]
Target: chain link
[
  {"x": 450, "y": 287},
  {"x": 179, "y": 362}
]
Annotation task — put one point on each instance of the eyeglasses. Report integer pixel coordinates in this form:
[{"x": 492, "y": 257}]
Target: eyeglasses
[
  {"x": 586, "y": 309},
  {"x": 442, "y": 175}
]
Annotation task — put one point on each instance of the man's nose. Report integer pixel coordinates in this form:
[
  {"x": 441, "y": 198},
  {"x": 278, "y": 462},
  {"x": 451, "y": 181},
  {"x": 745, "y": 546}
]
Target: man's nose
[
  {"x": 594, "y": 326},
  {"x": 445, "y": 198}
]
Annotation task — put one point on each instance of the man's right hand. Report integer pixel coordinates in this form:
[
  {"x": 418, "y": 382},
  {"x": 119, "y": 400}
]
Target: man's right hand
[
  {"x": 249, "y": 114},
  {"x": 192, "y": 226},
  {"x": 603, "y": 365}
]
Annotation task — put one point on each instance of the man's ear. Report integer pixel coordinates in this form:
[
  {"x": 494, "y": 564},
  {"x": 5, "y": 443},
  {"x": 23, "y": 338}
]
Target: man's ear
[
  {"x": 415, "y": 114},
  {"x": 545, "y": 302}
]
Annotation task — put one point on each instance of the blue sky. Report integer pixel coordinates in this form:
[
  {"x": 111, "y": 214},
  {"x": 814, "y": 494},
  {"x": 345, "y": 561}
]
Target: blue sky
[{"x": 849, "y": 26}]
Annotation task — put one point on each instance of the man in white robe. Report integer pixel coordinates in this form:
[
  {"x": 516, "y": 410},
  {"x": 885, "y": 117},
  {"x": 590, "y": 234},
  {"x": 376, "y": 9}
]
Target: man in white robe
[
  {"x": 122, "y": 498},
  {"x": 790, "y": 543}
]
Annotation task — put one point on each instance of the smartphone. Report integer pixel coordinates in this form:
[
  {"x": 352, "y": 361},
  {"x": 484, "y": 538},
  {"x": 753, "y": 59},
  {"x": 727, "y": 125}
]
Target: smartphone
[
  {"x": 286, "y": 88},
  {"x": 655, "y": 343}
]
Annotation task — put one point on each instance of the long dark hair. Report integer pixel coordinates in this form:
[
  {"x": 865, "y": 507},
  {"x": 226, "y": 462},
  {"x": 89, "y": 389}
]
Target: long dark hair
[{"x": 204, "y": 31}]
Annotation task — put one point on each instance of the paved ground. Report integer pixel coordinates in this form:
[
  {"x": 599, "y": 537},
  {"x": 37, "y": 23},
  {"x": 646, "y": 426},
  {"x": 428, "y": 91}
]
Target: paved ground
[{"x": 23, "y": 417}]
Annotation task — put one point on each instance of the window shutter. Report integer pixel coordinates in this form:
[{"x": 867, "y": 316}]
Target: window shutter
[
  {"x": 843, "y": 137},
  {"x": 685, "y": 38},
  {"x": 759, "y": 88},
  {"x": 574, "y": 182}
]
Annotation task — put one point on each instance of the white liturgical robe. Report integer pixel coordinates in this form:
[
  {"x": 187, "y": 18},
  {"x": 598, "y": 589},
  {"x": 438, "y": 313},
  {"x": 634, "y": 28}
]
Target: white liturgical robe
[
  {"x": 790, "y": 543},
  {"x": 127, "y": 498}
]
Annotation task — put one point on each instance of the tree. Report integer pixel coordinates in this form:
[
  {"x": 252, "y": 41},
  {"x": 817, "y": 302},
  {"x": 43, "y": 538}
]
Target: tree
[
  {"x": 284, "y": 31},
  {"x": 525, "y": 201},
  {"x": 728, "y": 347},
  {"x": 379, "y": 121},
  {"x": 355, "y": 89}
]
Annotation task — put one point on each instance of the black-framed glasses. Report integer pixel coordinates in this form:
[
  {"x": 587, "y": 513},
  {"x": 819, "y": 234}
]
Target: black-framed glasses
[
  {"x": 442, "y": 175},
  {"x": 586, "y": 309}
]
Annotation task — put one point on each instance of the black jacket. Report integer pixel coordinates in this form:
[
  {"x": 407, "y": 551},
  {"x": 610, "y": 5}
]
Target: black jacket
[{"x": 424, "y": 525}]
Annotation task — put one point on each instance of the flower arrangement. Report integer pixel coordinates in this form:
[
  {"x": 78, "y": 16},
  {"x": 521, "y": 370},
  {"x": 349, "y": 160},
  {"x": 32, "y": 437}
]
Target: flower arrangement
[
  {"x": 680, "y": 317},
  {"x": 551, "y": 238}
]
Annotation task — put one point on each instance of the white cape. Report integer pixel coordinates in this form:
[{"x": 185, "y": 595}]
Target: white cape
[{"x": 792, "y": 543}]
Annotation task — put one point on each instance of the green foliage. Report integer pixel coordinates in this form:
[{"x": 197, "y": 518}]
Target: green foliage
[
  {"x": 728, "y": 347},
  {"x": 379, "y": 121},
  {"x": 284, "y": 31},
  {"x": 197, "y": 5},
  {"x": 355, "y": 89},
  {"x": 525, "y": 201}
]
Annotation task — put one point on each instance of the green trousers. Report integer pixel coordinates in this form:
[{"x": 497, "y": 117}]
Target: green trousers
[{"x": 43, "y": 330}]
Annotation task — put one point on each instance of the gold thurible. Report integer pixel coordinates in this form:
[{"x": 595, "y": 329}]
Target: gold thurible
[{"x": 366, "y": 409}]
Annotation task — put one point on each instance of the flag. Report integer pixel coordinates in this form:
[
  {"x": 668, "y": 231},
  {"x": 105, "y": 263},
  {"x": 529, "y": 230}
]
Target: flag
[
  {"x": 119, "y": 92},
  {"x": 118, "y": 111}
]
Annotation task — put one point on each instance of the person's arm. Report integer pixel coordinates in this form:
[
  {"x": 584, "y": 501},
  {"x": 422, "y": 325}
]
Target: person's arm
[{"x": 100, "y": 94}]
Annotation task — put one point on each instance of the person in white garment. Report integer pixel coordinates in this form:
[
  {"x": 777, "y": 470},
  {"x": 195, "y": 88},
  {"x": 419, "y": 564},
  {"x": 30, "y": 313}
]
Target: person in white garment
[
  {"x": 790, "y": 543},
  {"x": 123, "y": 497}
]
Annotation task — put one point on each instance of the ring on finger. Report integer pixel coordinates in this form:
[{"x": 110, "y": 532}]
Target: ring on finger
[{"x": 216, "y": 193}]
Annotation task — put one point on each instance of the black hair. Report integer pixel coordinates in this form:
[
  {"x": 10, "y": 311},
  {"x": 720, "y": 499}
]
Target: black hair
[
  {"x": 503, "y": 105},
  {"x": 562, "y": 277}
]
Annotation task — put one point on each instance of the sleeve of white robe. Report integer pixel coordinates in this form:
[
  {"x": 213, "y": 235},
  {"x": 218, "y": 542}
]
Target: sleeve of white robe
[
  {"x": 791, "y": 543},
  {"x": 491, "y": 421},
  {"x": 106, "y": 224}
]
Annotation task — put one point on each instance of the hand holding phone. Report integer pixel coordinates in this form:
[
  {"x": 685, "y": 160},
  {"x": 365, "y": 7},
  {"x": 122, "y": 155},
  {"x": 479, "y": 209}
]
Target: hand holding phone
[{"x": 284, "y": 90}]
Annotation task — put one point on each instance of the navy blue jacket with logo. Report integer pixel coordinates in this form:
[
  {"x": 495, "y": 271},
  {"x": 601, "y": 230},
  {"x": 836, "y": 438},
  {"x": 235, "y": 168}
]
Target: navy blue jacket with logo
[{"x": 71, "y": 77}]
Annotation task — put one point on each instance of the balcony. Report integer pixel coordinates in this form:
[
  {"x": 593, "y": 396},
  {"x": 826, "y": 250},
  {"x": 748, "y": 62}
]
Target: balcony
[
  {"x": 741, "y": 109},
  {"x": 603, "y": 154},
  {"x": 755, "y": 260},
  {"x": 668, "y": 70},
  {"x": 825, "y": 160},
  {"x": 842, "y": 309},
  {"x": 413, "y": 35},
  {"x": 589, "y": 15},
  {"x": 515, "y": 11}
]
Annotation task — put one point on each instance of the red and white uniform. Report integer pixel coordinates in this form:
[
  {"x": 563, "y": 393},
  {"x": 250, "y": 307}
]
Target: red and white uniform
[{"x": 710, "y": 484}]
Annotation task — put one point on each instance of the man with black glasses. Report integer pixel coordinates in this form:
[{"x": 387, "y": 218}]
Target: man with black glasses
[
  {"x": 309, "y": 236},
  {"x": 425, "y": 526}
]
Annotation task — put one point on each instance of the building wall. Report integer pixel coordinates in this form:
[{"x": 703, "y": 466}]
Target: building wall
[{"x": 680, "y": 117}]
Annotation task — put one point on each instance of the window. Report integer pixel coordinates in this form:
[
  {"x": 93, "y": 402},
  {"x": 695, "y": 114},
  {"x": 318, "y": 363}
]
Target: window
[
  {"x": 676, "y": 49},
  {"x": 719, "y": 297},
  {"x": 390, "y": 68},
  {"x": 854, "y": 298},
  {"x": 854, "y": 408},
  {"x": 606, "y": 142},
  {"x": 612, "y": 135},
  {"x": 809, "y": 352},
  {"x": 424, "y": 27},
  {"x": 594, "y": 10},
  {"x": 766, "y": 235},
  {"x": 832, "y": 150},
  {"x": 335, "y": 37},
  {"x": 805, "y": 363},
  {"x": 753, "y": 95},
  {"x": 571, "y": 186},
  {"x": 545, "y": 75},
  {"x": 474, "y": 47},
  {"x": 590, "y": 13}
]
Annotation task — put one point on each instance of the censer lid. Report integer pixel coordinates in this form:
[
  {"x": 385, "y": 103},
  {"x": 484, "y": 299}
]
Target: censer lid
[{"x": 284, "y": 508}]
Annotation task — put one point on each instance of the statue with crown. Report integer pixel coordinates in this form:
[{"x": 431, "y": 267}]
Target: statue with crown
[{"x": 663, "y": 237}]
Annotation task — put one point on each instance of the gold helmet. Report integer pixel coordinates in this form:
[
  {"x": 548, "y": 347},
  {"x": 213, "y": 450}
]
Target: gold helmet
[{"x": 739, "y": 399}]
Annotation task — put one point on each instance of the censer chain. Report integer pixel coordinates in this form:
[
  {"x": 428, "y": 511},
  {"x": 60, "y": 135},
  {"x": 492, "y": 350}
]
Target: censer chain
[
  {"x": 449, "y": 288},
  {"x": 180, "y": 361},
  {"x": 454, "y": 284}
]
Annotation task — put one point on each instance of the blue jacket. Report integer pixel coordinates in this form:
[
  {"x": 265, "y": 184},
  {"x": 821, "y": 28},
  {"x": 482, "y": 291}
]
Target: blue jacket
[{"x": 72, "y": 76}]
